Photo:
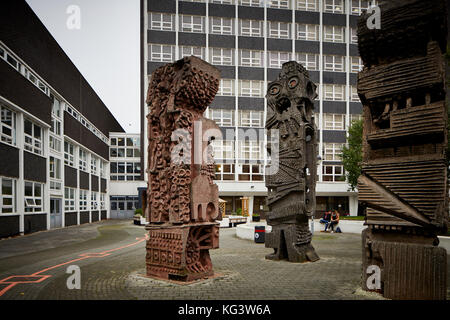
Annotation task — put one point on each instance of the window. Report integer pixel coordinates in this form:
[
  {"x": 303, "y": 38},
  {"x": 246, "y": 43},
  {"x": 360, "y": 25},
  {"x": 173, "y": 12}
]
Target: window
[
  {"x": 334, "y": 63},
  {"x": 125, "y": 147},
  {"x": 335, "y": 92},
  {"x": 56, "y": 108},
  {"x": 8, "y": 126},
  {"x": 69, "y": 154},
  {"x": 94, "y": 200},
  {"x": 308, "y": 32},
  {"x": 33, "y": 137},
  {"x": 13, "y": 62},
  {"x": 161, "y": 21},
  {"x": 353, "y": 36},
  {"x": 222, "y": 117},
  {"x": 192, "y": 24},
  {"x": 251, "y": 172},
  {"x": 186, "y": 51},
  {"x": 359, "y": 5},
  {"x": 281, "y": 30},
  {"x": 251, "y": 118},
  {"x": 94, "y": 165},
  {"x": 333, "y": 173},
  {"x": 332, "y": 151},
  {"x": 221, "y": 26},
  {"x": 83, "y": 200},
  {"x": 55, "y": 168},
  {"x": 354, "y": 97},
  {"x": 334, "y": 6},
  {"x": 251, "y": 88},
  {"x": 276, "y": 59},
  {"x": 226, "y": 87},
  {"x": 102, "y": 169},
  {"x": 161, "y": 52},
  {"x": 33, "y": 197},
  {"x": 333, "y": 121},
  {"x": 7, "y": 195},
  {"x": 251, "y": 58},
  {"x": 308, "y": 5},
  {"x": 279, "y": 4},
  {"x": 251, "y": 28},
  {"x": 221, "y": 56},
  {"x": 251, "y": 3},
  {"x": 223, "y": 149},
  {"x": 69, "y": 199},
  {"x": 125, "y": 171},
  {"x": 333, "y": 34},
  {"x": 250, "y": 150},
  {"x": 356, "y": 64},
  {"x": 102, "y": 201},
  {"x": 55, "y": 143},
  {"x": 224, "y": 172},
  {"x": 309, "y": 60},
  {"x": 222, "y": 1},
  {"x": 82, "y": 161}
]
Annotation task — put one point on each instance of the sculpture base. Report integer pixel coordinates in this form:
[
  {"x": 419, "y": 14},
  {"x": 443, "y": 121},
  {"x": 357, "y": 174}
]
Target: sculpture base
[
  {"x": 181, "y": 252},
  {"x": 291, "y": 242},
  {"x": 412, "y": 267}
]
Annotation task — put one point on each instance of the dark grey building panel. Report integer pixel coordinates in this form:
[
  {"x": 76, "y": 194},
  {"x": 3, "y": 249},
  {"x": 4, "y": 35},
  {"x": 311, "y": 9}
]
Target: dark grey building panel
[
  {"x": 250, "y": 13},
  {"x": 95, "y": 216},
  {"x": 193, "y": 8},
  {"x": 192, "y": 39},
  {"x": 282, "y": 15},
  {"x": 84, "y": 217},
  {"x": 333, "y": 19},
  {"x": 353, "y": 79},
  {"x": 34, "y": 167},
  {"x": 307, "y": 46},
  {"x": 245, "y": 133},
  {"x": 356, "y": 108},
  {"x": 94, "y": 183},
  {"x": 221, "y": 10},
  {"x": 334, "y": 107},
  {"x": 307, "y": 17},
  {"x": 251, "y": 103},
  {"x": 250, "y": 73},
  {"x": 334, "y": 77},
  {"x": 228, "y": 133},
  {"x": 70, "y": 177},
  {"x": 314, "y": 76},
  {"x": 103, "y": 214},
  {"x": 84, "y": 180},
  {"x": 9, "y": 159},
  {"x": 272, "y": 74},
  {"x": 354, "y": 21},
  {"x": 334, "y": 48},
  {"x": 103, "y": 185},
  {"x": 331, "y": 163},
  {"x": 221, "y": 41},
  {"x": 70, "y": 219},
  {"x": 152, "y": 66},
  {"x": 354, "y": 51},
  {"x": 35, "y": 222},
  {"x": 162, "y": 37},
  {"x": 279, "y": 45},
  {"x": 9, "y": 226},
  {"x": 227, "y": 72},
  {"x": 162, "y": 6},
  {"x": 253, "y": 43},
  {"x": 334, "y": 136},
  {"x": 223, "y": 102}
]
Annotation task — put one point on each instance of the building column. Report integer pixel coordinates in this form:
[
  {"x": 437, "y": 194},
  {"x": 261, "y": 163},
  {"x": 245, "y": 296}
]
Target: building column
[
  {"x": 353, "y": 205},
  {"x": 20, "y": 186},
  {"x": 250, "y": 207}
]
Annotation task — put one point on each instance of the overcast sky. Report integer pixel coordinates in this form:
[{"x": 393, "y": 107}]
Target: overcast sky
[{"x": 105, "y": 49}]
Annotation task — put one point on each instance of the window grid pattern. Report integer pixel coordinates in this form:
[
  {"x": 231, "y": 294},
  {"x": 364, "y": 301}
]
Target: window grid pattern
[
  {"x": 222, "y": 117},
  {"x": 125, "y": 171},
  {"x": 333, "y": 173},
  {"x": 186, "y": 51},
  {"x": 279, "y": 30},
  {"x": 69, "y": 199},
  {"x": 333, "y": 34},
  {"x": 334, "y": 92},
  {"x": 308, "y": 32},
  {"x": 83, "y": 200},
  {"x": 251, "y": 28},
  {"x": 7, "y": 195},
  {"x": 226, "y": 87},
  {"x": 69, "y": 152},
  {"x": 161, "y": 21},
  {"x": 222, "y": 26},
  {"x": 161, "y": 52},
  {"x": 221, "y": 56},
  {"x": 332, "y": 151},
  {"x": 334, "y": 6},
  {"x": 7, "y": 126},
  {"x": 251, "y": 118},
  {"x": 277, "y": 58},
  {"x": 251, "y": 58},
  {"x": 334, "y": 63},
  {"x": 223, "y": 149},
  {"x": 308, "y": 5},
  {"x": 250, "y": 150},
  {"x": 82, "y": 160},
  {"x": 33, "y": 197},
  {"x": 333, "y": 121},
  {"x": 192, "y": 24},
  {"x": 251, "y": 88},
  {"x": 33, "y": 137},
  {"x": 309, "y": 60}
]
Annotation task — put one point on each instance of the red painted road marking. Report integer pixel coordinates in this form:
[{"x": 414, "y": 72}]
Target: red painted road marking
[{"x": 25, "y": 278}]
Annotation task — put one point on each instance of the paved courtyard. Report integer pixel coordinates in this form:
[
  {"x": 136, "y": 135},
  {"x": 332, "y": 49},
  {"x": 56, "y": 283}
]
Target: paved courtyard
[{"x": 111, "y": 257}]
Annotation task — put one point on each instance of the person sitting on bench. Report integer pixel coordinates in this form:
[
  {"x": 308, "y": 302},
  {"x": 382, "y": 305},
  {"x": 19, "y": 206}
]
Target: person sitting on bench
[
  {"x": 326, "y": 219},
  {"x": 334, "y": 220}
]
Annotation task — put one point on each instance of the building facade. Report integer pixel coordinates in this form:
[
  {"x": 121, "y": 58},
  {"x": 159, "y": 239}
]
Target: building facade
[
  {"x": 249, "y": 40},
  {"x": 54, "y": 135}
]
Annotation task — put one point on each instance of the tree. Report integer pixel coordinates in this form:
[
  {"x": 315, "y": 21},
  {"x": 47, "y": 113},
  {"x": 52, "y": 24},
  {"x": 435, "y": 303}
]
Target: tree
[{"x": 352, "y": 154}]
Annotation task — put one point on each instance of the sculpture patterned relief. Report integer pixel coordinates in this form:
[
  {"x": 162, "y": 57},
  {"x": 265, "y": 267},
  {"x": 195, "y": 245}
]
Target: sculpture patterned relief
[
  {"x": 291, "y": 187},
  {"x": 403, "y": 185},
  {"x": 182, "y": 197}
]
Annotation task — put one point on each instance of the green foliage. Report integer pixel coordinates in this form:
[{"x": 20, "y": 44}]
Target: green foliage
[
  {"x": 138, "y": 212},
  {"x": 352, "y": 154},
  {"x": 255, "y": 214},
  {"x": 239, "y": 212}
]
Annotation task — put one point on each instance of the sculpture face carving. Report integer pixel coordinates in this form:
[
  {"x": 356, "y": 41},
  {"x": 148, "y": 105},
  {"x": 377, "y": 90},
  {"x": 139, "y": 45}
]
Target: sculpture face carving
[{"x": 291, "y": 190}]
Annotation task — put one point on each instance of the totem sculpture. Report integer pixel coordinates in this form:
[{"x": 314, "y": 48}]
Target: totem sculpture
[
  {"x": 291, "y": 182},
  {"x": 403, "y": 186},
  {"x": 182, "y": 199}
]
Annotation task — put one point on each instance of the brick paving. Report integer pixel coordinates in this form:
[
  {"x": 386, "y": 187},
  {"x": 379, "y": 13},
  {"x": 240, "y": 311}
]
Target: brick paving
[{"x": 243, "y": 273}]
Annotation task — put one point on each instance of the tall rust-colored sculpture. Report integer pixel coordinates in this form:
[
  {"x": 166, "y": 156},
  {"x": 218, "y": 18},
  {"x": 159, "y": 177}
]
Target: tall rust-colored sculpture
[
  {"x": 403, "y": 185},
  {"x": 291, "y": 197},
  {"x": 182, "y": 199}
]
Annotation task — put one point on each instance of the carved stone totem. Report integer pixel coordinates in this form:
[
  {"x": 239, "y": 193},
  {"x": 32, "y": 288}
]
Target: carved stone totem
[
  {"x": 291, "y": 187},
  {"x": 403, "y": 185},
  {"x": 182, "y": 199}
]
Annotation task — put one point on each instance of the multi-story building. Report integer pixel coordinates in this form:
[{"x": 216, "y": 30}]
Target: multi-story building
[
  {"x": 54, "y": 132},
  {"x": 249, "y": 40}
]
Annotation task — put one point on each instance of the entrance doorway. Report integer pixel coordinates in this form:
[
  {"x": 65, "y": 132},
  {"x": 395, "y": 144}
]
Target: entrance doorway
[
  {"x": 123, "y": 207},
  {"x": 55, "y": 213}
]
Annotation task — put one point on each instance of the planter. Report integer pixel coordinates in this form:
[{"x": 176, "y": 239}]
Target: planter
[
  {"x": 256, "y": 218},
  {"x": 137, "y": 220}
]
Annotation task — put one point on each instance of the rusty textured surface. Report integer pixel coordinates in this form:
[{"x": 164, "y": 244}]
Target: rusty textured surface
[
  {"x": 182, "y": 202},
  {"x": 403, "y": 186},
  {"x": 291, "y": 189}
]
